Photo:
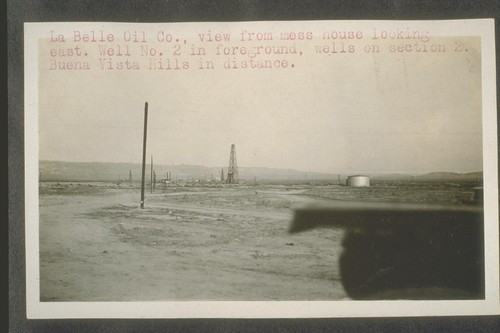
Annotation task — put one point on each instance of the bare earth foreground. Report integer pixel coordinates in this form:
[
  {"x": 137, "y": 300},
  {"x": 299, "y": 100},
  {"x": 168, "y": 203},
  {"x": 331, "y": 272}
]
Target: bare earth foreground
[{"x": 196, "y": 243}]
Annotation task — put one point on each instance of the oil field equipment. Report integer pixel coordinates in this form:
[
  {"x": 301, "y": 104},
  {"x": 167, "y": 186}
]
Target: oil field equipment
[{"x": 232, "y": 171}]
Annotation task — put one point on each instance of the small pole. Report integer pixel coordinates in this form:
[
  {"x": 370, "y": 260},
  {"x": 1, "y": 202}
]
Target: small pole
[
  {"x": 154, "y": 180},
  {"x": 151, "y": 173},
  {"x": 144, "y": 153}
]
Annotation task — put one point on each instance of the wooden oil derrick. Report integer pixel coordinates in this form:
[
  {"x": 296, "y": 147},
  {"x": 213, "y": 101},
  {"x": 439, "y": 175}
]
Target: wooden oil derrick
[{"x": 232, "y": 171}]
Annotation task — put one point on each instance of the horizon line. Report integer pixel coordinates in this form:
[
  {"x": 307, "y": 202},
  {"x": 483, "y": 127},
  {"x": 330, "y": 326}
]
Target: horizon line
[{"x": 405, "y": 173}]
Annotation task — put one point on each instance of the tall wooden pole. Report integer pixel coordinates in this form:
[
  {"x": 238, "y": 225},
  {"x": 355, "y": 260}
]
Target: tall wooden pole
[{"x": 144, "y": 152}]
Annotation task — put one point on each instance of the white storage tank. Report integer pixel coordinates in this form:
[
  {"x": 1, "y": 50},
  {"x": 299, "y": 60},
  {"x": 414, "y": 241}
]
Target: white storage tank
[{"x": 358, "y": 181}]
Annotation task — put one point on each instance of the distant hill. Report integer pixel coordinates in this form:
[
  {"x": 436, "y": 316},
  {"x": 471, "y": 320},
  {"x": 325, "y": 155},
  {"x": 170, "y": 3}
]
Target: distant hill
[
  {"x": 392, "y": 177},
  {"x": 451, "y": 177},
  {"x": 430, "y": 177},
  {"x": 96, "y": 171}
]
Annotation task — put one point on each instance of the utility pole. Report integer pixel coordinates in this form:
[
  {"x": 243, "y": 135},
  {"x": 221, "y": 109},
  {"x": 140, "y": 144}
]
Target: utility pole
[
  {"x": 144, "y": 153},
  {"x": 154, "y": 180},
  {"x": 151, "y": 173}
]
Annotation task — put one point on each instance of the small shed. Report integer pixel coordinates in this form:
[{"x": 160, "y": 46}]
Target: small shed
[{"x": 358, "y": 181}]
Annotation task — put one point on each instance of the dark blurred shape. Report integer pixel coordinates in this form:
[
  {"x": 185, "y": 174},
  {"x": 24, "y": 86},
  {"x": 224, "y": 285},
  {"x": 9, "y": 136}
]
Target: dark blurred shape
[
  {"x": 405, "y": 251},
  {"x": 478, "y": 196}
]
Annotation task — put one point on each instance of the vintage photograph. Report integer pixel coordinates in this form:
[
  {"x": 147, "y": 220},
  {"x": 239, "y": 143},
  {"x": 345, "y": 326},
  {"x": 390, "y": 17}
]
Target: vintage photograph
[{"x": 259, "y": 161}]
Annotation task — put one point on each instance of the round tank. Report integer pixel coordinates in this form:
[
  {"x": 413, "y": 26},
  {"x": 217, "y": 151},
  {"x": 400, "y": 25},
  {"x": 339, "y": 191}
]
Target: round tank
[{"x": 358, "y": 181}]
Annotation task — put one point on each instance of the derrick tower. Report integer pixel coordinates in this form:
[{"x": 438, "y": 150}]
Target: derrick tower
[{"x": 232, "y": 171}]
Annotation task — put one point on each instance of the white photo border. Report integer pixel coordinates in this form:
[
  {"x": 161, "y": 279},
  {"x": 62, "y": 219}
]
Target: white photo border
[{"x": 268, "y": 309}]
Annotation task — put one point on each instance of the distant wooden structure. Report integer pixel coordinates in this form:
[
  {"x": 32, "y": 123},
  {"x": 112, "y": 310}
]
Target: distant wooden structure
[{"x": 232, "y": 170}]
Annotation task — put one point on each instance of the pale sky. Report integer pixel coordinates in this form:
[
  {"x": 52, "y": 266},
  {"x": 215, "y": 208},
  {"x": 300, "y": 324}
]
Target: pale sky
[{"x": 358, "y": 113}]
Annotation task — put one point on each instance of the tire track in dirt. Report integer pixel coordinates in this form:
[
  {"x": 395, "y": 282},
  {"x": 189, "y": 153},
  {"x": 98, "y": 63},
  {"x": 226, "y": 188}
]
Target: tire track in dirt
[{"x": 223, "y": 211}]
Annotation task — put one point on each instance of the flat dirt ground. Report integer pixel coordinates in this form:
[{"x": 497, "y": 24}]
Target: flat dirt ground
[{"x": 198, "y": 243}]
